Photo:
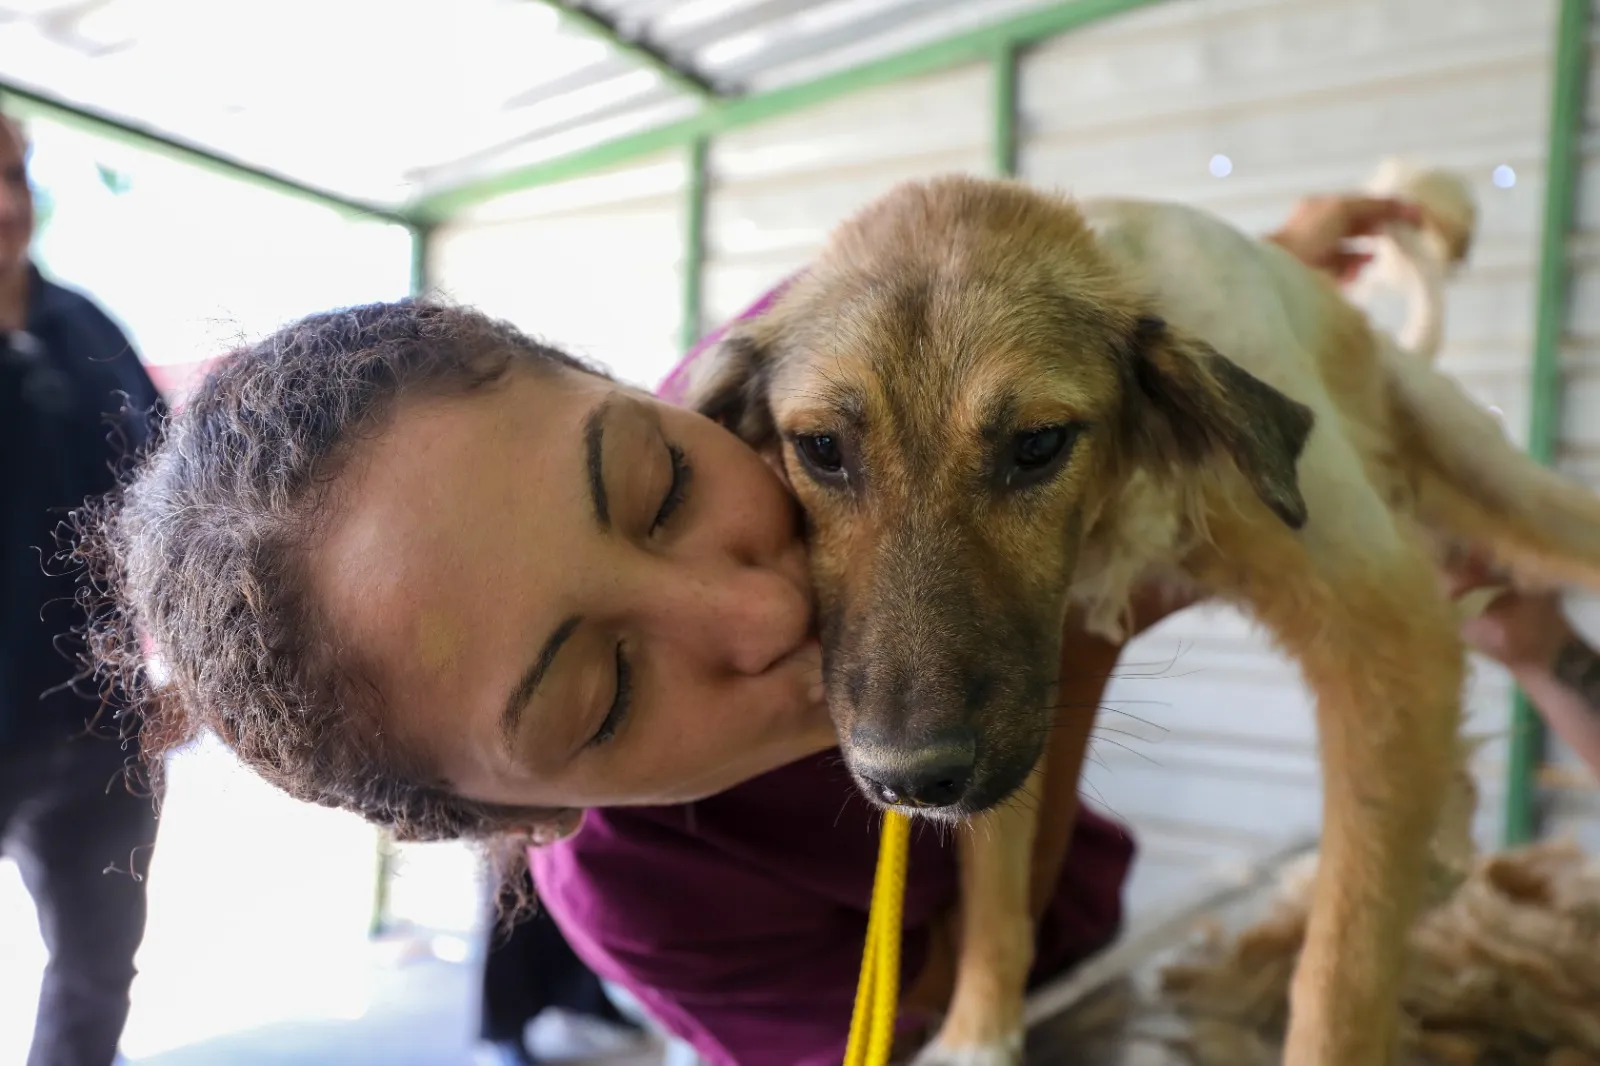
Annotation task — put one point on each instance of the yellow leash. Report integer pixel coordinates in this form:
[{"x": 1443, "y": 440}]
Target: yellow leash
[{"x": 878, "y": 991}]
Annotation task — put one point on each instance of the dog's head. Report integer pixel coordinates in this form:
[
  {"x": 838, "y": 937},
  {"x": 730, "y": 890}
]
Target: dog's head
[
  {"x": 956, "y": 389},
  {"x": 1450, "y": 213}
]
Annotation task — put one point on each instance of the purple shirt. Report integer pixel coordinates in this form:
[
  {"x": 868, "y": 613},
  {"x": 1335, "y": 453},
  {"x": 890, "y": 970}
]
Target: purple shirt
[{"x": 739, "y": 921}]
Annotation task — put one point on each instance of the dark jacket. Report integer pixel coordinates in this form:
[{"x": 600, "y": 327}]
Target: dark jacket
[{"x": 75, "y": 402}]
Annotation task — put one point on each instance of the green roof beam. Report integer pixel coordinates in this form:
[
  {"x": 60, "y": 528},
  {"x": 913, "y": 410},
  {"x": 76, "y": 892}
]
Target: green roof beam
[
  {"x": 975, "y": 46},
  {"x": 31, "y": 103},
  {"x": 601, "y": 26}
]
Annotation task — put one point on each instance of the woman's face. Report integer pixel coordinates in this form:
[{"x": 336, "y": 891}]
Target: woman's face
[{"x": 572, "y": 595}]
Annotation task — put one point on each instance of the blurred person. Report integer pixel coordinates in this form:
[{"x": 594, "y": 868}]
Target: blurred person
[
  {"x": 531, "y": 972},
  {"x": 1532, "y": 637},
  {"x": 74, "y": 398}
]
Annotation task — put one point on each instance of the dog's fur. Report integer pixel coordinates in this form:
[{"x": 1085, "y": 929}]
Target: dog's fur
[{"x": 1234, "y": 429}]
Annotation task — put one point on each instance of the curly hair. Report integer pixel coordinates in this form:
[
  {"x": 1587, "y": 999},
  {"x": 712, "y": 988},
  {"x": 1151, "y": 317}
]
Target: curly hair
[{"x": 201, "y": 557}]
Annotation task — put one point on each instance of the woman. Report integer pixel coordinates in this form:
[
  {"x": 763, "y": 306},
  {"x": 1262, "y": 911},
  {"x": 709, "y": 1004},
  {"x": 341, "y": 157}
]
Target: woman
[{"x": 407, "y": 562}]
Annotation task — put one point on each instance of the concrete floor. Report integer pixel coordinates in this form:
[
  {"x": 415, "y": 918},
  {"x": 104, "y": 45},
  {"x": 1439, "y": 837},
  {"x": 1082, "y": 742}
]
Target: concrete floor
[
  {"x": 256, "y": 950},
  {"x": 421, "y": 1011},
  {"x": 421, "y": 1015}
]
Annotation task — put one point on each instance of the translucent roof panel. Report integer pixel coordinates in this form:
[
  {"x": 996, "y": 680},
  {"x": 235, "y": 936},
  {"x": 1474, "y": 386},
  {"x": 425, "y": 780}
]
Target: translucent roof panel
[{"x": 387, "y": 100}]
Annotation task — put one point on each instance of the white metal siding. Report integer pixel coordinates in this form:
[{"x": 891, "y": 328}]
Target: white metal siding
[
  {"x": 1215, "y": 754},
  {"x": 777, "y": 189},
  {"x": 593, "y": 265}
]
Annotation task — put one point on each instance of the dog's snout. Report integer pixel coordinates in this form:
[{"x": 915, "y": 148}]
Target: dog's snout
[{"x": 937, "y": 775}]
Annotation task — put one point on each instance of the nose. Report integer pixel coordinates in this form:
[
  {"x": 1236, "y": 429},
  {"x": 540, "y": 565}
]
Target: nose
[
  {"x": 740, "y": 618},
  {"x": 936, "y": 775}
]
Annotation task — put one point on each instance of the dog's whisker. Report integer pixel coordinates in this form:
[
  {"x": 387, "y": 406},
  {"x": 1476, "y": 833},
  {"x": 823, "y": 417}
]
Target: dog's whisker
[
  {"x": 1113, "y": 707},
  {"x": 1158, "y": 676},
  {"x": 1099, "y": 797},
  {"x": 1126, "y": 748},
  {"x": 1023, "y": 792},
  {"x": 1159, "y": 735},
  {"x": 1057, "y": 723},
  {"x": 1102, "y": 731},
  {"x": 1136, "y": 718}
]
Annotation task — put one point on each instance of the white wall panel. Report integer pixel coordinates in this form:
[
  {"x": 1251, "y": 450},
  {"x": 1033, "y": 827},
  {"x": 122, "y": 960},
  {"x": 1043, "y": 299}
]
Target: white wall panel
[
  {"x": 780, "y": 187},
  {"x": 593, "y": 265}
]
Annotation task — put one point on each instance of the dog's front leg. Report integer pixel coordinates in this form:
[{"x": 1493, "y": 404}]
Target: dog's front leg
[
  {"x": 994, "y": 946},
  {"x": 1357, "y": 603}
]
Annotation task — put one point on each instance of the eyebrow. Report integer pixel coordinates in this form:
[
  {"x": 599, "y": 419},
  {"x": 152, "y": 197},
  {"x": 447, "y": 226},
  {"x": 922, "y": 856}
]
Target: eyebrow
[
  {"x": 999, "y": 417},
  {"x": 517, "y": 703},
  {"x": 845, "y": 401},
  {"x": 594, "y": 436}
]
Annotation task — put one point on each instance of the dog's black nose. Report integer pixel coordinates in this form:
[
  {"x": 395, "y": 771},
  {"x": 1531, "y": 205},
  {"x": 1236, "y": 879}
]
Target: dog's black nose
[{"x": 934, "y": 777}]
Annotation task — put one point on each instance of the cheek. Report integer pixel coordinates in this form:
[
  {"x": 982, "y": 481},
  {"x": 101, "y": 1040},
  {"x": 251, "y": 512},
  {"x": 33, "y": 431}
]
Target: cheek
[
  {"x": 754, "y": 484},
  {"x": 1039, "y": 551},
  {"x": 774, "y": 460}
]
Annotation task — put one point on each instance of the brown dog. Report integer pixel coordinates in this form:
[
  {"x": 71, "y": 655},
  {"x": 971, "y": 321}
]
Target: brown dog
[{"x": 995, "y": 405}]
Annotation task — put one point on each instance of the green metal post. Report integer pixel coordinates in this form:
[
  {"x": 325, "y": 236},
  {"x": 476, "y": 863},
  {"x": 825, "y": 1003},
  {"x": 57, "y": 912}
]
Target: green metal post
[
  {"x": 386, "y": 850},
  {"x": 378, "y": 924},
  {"x": 694, "y": 243},
  {"x": 421, "y": 265},
  {"x": 1563, "y": 160},
  {"x": 1005, "y": 109}
]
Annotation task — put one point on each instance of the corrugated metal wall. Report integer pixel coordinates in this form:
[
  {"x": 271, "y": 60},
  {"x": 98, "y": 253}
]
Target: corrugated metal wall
[
  {"x": 1208, "y": 747},
  {"x": 780, "y": 187},
  {"x": 593, "y": 265}
]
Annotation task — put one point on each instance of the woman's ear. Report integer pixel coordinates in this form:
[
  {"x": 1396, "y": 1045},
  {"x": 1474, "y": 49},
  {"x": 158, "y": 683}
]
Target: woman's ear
[
  {"x": 559, "y": 825},
  {"x": 1185, "y": 404}
]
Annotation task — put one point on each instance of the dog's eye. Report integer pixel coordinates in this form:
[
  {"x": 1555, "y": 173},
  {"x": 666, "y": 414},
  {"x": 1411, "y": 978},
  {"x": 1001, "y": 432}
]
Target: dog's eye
[
  {"x": 1038, "y": 453},
  {"x": 821, "y": 452},
  {"x": 1037, "y": 447}
]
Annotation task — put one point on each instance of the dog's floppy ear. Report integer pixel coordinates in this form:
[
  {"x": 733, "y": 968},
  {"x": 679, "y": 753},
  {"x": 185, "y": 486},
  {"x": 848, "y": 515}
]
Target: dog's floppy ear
[
  {"x": 1185, "y": 403},
  {"x": 729, "y": 385}
]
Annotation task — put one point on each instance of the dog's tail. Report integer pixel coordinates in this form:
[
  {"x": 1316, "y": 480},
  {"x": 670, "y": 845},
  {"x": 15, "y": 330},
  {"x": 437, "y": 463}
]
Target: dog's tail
[
  {"x": 1418, "y": 260},
  {"x": 1478, "y": 487}
]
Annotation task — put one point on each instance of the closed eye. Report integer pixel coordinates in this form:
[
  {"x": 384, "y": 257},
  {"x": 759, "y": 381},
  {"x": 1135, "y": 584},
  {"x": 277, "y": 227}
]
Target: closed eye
[
  {"x": 677, "y": 489},
  {"x": 619, "y": 702}
]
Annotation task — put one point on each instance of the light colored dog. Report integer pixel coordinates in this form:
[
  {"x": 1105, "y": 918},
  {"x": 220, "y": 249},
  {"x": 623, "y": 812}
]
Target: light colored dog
[
  {"x": 996, "y": 405},
  {"x": 1417, "y": 261}
]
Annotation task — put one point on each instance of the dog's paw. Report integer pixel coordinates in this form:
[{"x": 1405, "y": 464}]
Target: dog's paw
[{"x": 1004, "y": 1052}]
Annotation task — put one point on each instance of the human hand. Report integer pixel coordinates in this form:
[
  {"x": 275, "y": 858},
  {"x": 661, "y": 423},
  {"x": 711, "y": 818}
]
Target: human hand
[
  {"x": 1522, "y": 631},
  {"x": 1317, "y": 232}
]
